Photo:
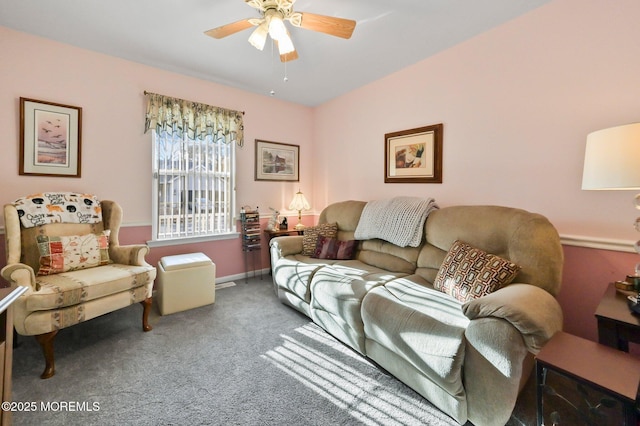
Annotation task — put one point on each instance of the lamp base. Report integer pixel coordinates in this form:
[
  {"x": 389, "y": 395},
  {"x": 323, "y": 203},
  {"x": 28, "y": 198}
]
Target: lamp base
[{"x": 300, "y": 227}]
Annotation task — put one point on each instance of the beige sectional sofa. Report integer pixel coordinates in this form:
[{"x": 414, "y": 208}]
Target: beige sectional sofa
[{"x": 470, "y": 359}]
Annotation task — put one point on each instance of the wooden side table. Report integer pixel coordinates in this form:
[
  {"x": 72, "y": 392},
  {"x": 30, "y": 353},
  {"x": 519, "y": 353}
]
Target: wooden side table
[
  {"x": 617, "y": 325},
  {"x": 8, "y": 295},
  {"x": 282, "y": 232},
  {"x": 602, "y": 382}
]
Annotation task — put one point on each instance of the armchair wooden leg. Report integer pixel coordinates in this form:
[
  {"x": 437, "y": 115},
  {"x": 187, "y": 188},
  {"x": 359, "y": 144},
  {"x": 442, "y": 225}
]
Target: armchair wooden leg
[
  {"x": 46, "y": 342},
  {"x": 146, "y": 304},
  {"x": 16, "y": 342}
]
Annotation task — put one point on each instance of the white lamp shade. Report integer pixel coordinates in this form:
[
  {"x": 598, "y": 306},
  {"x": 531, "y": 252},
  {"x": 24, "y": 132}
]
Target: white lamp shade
[
  {"x": 277, "y": 30},
  {"x": 299, "y": 202},
  {"x": 285, "y": 45},
  {"x": 612, "y": 159},
  {"x": 258, "y": 37}
]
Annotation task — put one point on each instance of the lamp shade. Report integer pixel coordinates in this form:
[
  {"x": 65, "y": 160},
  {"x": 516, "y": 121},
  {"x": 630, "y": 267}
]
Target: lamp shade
[
  {"x": 612, "y": 159},
  {"x": 258, "y": 37},
  {"x": 285, "y": 45},
  {"x": 277, "y": 30},
  {"x": 299, "y": 202}
]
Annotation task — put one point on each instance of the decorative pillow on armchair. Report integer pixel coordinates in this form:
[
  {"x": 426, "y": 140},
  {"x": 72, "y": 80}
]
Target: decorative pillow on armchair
[
  {"x": 311, "y": 234},
  {"x": 468, "y": 273},
  {"x": 70, "y": 253},
  {"x": 330, "y": 248}
]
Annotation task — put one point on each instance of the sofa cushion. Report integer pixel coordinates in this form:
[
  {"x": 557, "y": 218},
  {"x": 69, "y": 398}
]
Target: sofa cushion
[
  {"x": 421, "y": 325},
  {"x": 71, "y": 288},
  {"x": 527, "y": 239},
  {"x": 388, "y": 256},
  {"x": 335, "y": 305},
  {"x": 346, "y": 214},
  {"x": 311, "y": 234},
  {"x": 295, "y": 277},
  {"x": 468, "y": 273},
  {"x": 355, "y": 268},
  {"x": 73, "y": 252},
  {"x": 331, "y": 248}
]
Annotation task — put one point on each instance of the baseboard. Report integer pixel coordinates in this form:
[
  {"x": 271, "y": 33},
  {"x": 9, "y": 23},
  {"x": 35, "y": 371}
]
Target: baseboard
[{"x": 242, "y": 276}]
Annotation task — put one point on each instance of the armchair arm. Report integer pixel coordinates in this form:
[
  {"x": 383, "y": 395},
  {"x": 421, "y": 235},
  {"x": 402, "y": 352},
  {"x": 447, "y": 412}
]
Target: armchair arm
[
  {"x": 130, "y": 254},
  {"x": 531, "y": 310},
  {"x": 285, "y": 246},
  {"x": 20, "y": 274}
]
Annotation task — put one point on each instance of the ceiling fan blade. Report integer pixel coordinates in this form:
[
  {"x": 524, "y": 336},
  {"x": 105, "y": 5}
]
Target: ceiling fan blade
[
  {"x": 291, "y": 56},
  {"x": 227, "y": 30},
  {"x": 338, "y": 27}
]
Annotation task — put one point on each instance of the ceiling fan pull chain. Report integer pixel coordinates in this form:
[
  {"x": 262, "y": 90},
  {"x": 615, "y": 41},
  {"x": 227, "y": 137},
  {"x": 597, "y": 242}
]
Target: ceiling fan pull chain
[
  {"x": 285, "y": 79},
  {"x": 272, "y": 92}
]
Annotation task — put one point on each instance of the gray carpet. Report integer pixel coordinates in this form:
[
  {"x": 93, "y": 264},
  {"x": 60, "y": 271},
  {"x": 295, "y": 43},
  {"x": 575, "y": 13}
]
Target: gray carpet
[{"x": 247, "y": 360}]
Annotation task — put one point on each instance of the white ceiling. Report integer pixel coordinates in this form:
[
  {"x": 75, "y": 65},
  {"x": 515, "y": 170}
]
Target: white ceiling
[{"x": 169, "y": 34}]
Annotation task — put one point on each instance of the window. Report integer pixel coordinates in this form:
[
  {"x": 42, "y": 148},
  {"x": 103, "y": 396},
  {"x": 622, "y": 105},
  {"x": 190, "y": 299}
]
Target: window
[
  {"x": 194, "y": 186},
  {"x": 193, "y": 168}
]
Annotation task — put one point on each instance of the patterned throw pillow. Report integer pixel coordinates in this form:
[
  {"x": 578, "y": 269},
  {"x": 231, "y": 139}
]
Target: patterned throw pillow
[
  {"x": 468, "y": 273},
  {"x": 330, "y": 248},
  {"x": 310, "y": 236},
  {"x": 70, "y": 253}
]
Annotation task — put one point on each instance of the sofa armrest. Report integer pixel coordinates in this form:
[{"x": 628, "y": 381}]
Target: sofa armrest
[
  {"x": 20, "y": 274},
  {"x": 531, "y": 310},
  {"x": 130, "y": 254},
  {"x": 285, "y": 246}
]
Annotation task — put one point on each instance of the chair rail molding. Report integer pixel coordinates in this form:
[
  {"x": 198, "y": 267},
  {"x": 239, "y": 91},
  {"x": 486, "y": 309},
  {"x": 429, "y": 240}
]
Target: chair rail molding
[{"x": 597, "y": 243}]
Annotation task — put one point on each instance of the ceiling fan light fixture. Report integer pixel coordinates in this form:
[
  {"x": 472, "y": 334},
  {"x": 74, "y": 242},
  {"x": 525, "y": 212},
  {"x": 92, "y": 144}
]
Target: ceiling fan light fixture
[
  {"x": 271, "y": 23},
  {"x": 277, "y": 30},
  {"x": 258, "y": 37}
]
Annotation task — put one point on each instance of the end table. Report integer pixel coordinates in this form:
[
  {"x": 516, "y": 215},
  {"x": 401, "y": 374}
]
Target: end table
[
  {"x": 617, "y": 325},
  {"x": 594, "y": 383}
]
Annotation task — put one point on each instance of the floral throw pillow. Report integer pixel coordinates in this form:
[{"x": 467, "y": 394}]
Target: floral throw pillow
[
  {"x": 330, "y": 248},
  {"x": 311, "y": 234},
  {"x": 73, "y": 252},
  {"x": 468, "y": 273}
]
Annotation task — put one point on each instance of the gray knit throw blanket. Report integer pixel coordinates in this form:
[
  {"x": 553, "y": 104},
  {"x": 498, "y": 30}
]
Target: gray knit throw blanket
[{"x": 399, "y": 220}]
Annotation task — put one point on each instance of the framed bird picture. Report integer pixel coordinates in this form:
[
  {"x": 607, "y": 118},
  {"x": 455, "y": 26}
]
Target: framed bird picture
[{"x": 50, "y": 139}]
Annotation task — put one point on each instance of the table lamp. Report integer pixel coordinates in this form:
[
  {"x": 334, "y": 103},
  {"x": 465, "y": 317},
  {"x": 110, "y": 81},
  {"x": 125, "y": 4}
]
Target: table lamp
[
  {"x": 612, "y": 162},
  {"x": 299, "y": 203}
]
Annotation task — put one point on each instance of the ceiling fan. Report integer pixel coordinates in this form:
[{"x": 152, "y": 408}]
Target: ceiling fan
[{"x": 273, "y": 14}]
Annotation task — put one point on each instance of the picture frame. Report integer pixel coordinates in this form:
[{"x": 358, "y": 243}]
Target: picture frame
[
  {"x": 414, "y": 155},
  {"x": 50, "y": 139},
  {"x": 277, "y": 161}
]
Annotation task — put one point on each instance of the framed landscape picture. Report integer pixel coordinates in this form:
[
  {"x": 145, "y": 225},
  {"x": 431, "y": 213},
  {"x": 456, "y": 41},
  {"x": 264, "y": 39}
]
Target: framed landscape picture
[
  {"x": 414, "y": 156},
  {"x": 277, "y": 161},
  {"x": 50, "y": 139}
]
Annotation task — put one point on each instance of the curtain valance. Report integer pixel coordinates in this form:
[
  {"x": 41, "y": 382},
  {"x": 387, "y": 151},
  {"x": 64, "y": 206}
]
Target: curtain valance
[{"x": 179, "y": 116}]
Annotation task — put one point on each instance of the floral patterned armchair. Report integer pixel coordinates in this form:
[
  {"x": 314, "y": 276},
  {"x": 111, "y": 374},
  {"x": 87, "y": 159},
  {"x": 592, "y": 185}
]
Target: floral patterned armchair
[{"x": 64, "y": 248}]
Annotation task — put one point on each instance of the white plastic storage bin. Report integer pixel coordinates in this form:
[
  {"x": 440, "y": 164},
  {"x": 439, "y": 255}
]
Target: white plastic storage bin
[{"x": 185, "y": 281}]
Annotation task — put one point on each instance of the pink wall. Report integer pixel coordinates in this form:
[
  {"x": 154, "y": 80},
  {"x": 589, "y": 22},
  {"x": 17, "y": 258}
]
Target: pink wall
[
  {"x": 116, "y": 154},
  {"x": 516, "y": 102},
  {"x": 226, "y": 254},
  {"x": 587, "y": 273}
]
